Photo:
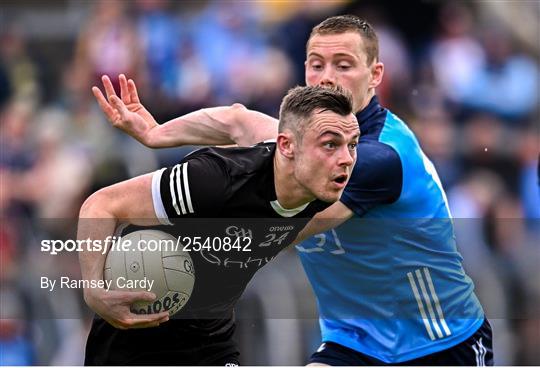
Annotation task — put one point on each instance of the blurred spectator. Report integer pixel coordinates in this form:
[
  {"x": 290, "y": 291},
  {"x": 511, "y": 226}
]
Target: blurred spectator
[
  {"x": 61, "y": 173},
  {"x": 529, "y": 178},
  {"x": 456, "y": 56},
  {"x": 273, "y": 74},
  {"x": 20, "y": 73},
  {"x": 515, "y": 252},
  {"x": 438, "y": 136},
  {"x": 507, "y": 83},
  {"x": 230, "y": 43},
  {"x": 15, "y": 135},
  {"x": 290, "y": 34},
  {"x": 160, "y": 35},
  {"x": 470, "y": 202},
  {"x": 17, "y": 158},
  {"x": 16, "y": 346},
  {"x": 5, "y": 86},
  {"x": 486, "y": 74},
  {"x": 486, "y": 144},
  {"x": 193, "y": 85},
  {"x": 394, "y": 54},
  {"x": 107, "y": 44},
  {"x": 162, "y": 39}
]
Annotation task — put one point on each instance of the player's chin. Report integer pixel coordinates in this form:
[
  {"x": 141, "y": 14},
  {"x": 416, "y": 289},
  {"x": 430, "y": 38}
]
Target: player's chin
[{"x": 332, "y": 195}]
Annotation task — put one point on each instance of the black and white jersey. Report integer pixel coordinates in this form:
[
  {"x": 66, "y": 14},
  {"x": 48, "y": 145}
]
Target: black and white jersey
[
  {"x": 223, "y": 183},
  {"x": 226, "y": 196}
]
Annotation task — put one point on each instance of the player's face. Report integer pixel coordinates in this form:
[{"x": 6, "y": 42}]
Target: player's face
[
  {"x": 326, "y": 154},
  {"x": 340, "y": 59}
]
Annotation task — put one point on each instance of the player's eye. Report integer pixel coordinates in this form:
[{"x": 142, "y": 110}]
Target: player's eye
[
  {"x": 329, "y": 145},
  {"x": 344, "y": 66},
  {"x": 316, "y": 66},
  {"x": 352, "y": 146}
]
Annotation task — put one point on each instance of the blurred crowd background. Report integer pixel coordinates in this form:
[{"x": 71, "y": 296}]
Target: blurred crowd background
[{"x": 464, "y": 75}]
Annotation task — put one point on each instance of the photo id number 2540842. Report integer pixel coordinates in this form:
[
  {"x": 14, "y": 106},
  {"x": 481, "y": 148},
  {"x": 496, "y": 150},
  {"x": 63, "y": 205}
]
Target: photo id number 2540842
[{"x": 216, "y": 244}]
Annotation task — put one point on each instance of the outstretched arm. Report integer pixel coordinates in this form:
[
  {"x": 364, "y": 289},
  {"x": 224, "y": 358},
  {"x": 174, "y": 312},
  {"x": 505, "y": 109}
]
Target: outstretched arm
[
  {"x": 211, "y": 126},
  {"x": 325, "y": 220},
  {"x": 233, "y": 124},
  {"x": 99, "y": 216}
]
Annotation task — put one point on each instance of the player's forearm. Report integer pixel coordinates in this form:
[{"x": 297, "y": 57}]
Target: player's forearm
[
  {"x": 214, "y": 126},
  {"x": 211, "y": 126},
  {"x": 129, "y": 201},
  {"x": 96, "y": 224},
  {"x": 323, "y": 221}
]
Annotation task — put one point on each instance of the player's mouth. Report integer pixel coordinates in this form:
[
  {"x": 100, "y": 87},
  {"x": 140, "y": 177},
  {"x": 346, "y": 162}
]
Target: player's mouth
[{"x": 341, "y": 180}]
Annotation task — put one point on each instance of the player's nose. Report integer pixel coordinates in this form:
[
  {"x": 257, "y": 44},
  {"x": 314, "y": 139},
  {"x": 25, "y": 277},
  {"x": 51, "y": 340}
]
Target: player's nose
[
  {"x": 328, "y": 78},
  {"x": 346, "y": 158}
]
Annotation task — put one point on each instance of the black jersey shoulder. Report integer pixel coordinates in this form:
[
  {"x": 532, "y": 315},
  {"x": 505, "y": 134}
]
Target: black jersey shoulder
[
  {"x": 239, "y": 161},
  {"x": 225, "y": 182}
]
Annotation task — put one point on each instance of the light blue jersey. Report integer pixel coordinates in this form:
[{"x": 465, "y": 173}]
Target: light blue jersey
[{"x": 389, "y": 282}]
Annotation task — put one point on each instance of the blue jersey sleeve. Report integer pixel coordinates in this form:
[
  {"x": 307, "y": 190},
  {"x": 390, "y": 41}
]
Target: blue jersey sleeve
[{"x": 377, "y": 178}]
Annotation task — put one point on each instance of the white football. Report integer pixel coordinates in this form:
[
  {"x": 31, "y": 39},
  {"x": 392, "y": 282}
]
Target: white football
[{"x": 151, "y": 260}]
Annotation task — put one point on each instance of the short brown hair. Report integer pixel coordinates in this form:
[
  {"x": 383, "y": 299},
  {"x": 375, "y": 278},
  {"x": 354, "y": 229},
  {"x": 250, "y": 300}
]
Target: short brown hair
[
  {"x": 299, "y": 104},
  {"x": 350, "y": 23}
]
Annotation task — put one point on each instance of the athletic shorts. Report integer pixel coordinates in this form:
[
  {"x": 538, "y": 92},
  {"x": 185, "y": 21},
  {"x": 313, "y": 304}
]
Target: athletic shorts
[
  {"x": 477, "y": 350},
  {"x": 168, "y": 344}
]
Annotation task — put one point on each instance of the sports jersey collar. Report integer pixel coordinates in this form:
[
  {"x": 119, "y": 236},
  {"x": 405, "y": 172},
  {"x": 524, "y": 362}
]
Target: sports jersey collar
[
  {"x": 367, "y": 113},
  {"x": 271, "y": 191},
  {"x": 284, "y": 212}
]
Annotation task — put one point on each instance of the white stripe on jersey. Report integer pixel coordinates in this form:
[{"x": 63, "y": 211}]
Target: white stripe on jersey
[
  {"x": 179, "y": 190},
  {"x": 186, "y": 187},
  {"x": 436, "y": 301},
  {"x": 428, "y": 303},
  {"x": 159, "y": 209},
  {"x": 426, "y": 299},
  {"x": 179, "y": 187},
  {"x": 420, "y": 305},
  {"x": 171, "y": 187}
]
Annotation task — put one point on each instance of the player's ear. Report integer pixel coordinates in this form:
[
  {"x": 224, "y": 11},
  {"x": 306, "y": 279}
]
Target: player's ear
[
  {"x": 286, "y": 144},
  {"x": 377, "y": 71}
]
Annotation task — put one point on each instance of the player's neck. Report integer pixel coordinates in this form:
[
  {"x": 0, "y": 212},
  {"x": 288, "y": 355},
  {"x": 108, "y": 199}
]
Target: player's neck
[
  {"x": 367, "y": 100},
  {"x": 289, "y": 192}
]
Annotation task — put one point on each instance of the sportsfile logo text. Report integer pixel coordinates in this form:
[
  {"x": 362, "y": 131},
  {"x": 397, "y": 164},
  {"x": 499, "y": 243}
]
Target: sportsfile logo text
[
  {"x": 54, "y": 247},
  {"x": 119, "y": 244}
]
